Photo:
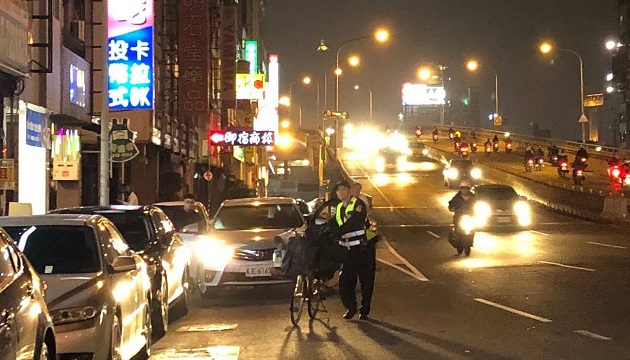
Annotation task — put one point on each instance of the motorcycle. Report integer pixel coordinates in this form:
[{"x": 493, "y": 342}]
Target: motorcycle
[
  {"x": 488, "y": 150},
  {"x": 456, "y": 145},
  {"x": 508, "y": 147},
  {"x": 619, "y": 174},
  {"x": 540, "y": 163},
  {"x": 473, "y": 148},
  {"x": 495, "y": 147},
  {"x": 463, "y": 151},
  {"x": 462, "y": 235},
  {"x": 578, "y": 176},
  {"x": 435, "y": 138},
  {"x": 529, "y": 164},
  {"x": 563, "y": 168}
]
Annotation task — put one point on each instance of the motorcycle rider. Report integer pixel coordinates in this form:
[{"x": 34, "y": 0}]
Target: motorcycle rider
[
  {"x": 450, "y": 132},
  {"x": 581, "y": 153},
  {"x": 529, "y": 154},
  {"x": 435, "y": 132},
  {"x": 552, "y": 151},
  {"x": 461, "y": 204},
  {"x": 473, "y": 134},
  {"x": 495, "y": 139},
  {"x": 487, "y": 144},
  {"x": 540, "y": 154}
]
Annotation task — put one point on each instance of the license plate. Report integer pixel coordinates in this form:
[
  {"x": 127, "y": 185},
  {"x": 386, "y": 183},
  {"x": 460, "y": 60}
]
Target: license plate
[
  {"x": 254, "y": 271},
  {"x": 504, "y": 220}
]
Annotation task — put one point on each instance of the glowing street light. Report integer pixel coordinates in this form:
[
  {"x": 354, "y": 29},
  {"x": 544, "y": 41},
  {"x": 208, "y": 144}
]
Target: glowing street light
[
  {"x": 472, "y": 65},
  {"x": 381, "y": 35},
  {"x": 307, "y": 80},
  {"x": 284, "y": 101},
  {"x": 354, "y": 61},
  {"x": 424, "y": 74},
  {"x": 547, "y": 48},
  {"x": 611, "y": 44},
  {"x": 338, "y": 72},
  {"x": 285, "y": 124},
  {"x": 610, "y": 89}
]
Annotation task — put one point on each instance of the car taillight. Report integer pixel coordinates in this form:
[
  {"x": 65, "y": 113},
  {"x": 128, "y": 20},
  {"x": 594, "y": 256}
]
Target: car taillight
[
  {"x": 616, "y": 172},
  {"x": 530, "y": 161},
  {"x": 564, "y": 164},
  {"x": 583, "y": 160},
  {"x": 579, "y": 172},
  {"x": 509, "y": 146}
]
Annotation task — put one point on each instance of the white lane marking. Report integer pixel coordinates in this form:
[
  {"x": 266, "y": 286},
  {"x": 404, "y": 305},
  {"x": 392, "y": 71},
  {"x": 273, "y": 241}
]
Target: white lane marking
[
  {"x": 514, "y": 311},
  {"x": 404, "y": 261},
  {"x": 434, "y": 234},
  {"x": 538, "y": 232},
  {"x": 607, "y": 245},
  {"x": 592, "y": 335},
  {"x": 401, "y": 269},
  {"x": 415, "y": 225},
  {"x": 566, "y": 266}
]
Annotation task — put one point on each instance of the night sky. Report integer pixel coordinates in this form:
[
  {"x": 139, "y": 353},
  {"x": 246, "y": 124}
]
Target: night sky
[{"x": 504, "y": 34}]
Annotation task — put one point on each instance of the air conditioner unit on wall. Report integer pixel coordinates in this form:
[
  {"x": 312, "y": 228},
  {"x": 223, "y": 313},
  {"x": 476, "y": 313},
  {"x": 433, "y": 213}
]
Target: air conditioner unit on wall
[{"x": 78, "y": 29}]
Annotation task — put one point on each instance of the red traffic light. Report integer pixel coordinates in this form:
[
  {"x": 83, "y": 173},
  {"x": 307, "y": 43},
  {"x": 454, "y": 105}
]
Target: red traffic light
[{"x": 216, "y": 137}]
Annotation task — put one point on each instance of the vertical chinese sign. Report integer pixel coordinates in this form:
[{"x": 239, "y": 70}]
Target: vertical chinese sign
[
  {"x": 228, "y": 60},
  {"x": 130, "y": 49},
  {"x": 193, "y": 53}
]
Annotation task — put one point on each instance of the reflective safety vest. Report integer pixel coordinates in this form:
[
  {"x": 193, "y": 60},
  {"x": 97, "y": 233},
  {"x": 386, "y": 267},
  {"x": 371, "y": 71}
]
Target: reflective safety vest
[{"x": 351, "y": 238}]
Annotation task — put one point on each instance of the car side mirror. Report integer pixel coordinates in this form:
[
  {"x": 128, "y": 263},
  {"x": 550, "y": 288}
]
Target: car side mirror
[
  {"x": 190, "y": 229},
  {"x": 124, "y": 264}
]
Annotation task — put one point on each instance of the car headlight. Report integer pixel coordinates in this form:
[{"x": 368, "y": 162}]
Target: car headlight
[
  {"x": 408, "y": 151},
  {"x": 71, "y": 315},
  {"x": 475, "y": 173},
  {"x": 466, "y": 223},
  {"x": 214, "y": 252},
  {"x": 380, "y": 164},
  {"x": 451, "y": 173},
  {"x": 425, "y": 151},
  {"x": 482, "y": 209},
  {"x": 401, "y": 163}
]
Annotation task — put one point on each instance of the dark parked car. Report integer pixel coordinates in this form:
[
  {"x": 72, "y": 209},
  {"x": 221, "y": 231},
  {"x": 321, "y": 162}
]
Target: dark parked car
[
  {"x": 149, "y": 232},
  {"x": 26, "y": 328}
]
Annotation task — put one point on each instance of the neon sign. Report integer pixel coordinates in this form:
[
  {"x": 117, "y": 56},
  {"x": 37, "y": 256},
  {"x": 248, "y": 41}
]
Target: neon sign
[{"x": 130, "y": 49}]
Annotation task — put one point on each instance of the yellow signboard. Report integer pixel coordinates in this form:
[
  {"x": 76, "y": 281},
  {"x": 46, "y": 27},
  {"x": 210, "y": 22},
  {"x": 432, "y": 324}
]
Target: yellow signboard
[
  {"x": 250, "y": 86},
  {"x": 594, "y": 100},
  {"x": 498, "y": 121}
]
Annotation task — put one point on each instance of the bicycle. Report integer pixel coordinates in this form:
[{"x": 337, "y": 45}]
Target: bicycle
[{"x": 307, "y": 290}]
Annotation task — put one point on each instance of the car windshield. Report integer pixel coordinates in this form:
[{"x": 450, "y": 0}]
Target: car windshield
[
  {"x": 268, "y": 216},
  {"x": 133, "y": 225},
  {"x": 181, "y": 218},
  {"x": 57, "y": 249},
  {"x": 496, "y": 193}
]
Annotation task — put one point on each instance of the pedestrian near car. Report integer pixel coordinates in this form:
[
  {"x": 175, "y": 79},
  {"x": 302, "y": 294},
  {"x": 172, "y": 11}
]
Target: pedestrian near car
[{"x": 349, "y": 225}]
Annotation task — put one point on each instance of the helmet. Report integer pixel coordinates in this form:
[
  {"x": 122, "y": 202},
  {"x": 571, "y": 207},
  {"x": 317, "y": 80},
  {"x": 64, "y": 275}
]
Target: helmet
[{"x": 464, "y": 184}]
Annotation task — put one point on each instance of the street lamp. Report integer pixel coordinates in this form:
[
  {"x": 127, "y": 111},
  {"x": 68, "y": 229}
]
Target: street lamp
[
  {"x": 306, "y": 80},
  {"x": 354, "y": 61},
  {"x": 611, "y": 44},
  {"x": 425, "y": 74},
  {"x": 473, "y": 65},
  {"x": 547, "y": 48},
  {"x": 381, "y": 36},
  {"x": 356, "y": 87}
]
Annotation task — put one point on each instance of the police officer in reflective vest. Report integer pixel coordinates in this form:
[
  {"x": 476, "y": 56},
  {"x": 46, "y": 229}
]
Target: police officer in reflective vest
[{"x": 349, "y": 225}]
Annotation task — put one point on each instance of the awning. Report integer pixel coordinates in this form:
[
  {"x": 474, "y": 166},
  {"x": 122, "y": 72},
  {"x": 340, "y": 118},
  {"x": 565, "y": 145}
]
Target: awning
[{"x": 67, "y": 120}]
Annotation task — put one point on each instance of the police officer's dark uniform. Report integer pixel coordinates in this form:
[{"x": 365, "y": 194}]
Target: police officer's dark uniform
[{"x": 349, "y": 225}]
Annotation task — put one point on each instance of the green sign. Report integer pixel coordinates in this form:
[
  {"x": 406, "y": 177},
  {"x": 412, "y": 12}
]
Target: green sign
[
  {"x": 251, "y": 55},
  {"x": 122, "y": 146}
]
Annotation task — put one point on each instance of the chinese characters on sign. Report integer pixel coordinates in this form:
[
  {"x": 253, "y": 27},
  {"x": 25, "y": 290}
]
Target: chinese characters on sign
[
  {"x": 228, "y": 59},
  {"x": 122, "y": 147},
  {"x": 130, "y": 49},
  {"x": 193, "y": 61},
  {"x": 241, "y": 137}
]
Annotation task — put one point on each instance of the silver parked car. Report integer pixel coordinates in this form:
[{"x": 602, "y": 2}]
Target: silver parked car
[
  {"x": 238, "y": 249},
  {"x": 26, "y": 329},
  {"x": 98, "y": 290}
]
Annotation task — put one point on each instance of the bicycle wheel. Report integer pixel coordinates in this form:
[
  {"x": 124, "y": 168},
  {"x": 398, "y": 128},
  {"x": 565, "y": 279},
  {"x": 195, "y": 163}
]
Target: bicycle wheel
[
  {"x": 297, "y": 300},
  {"x": 314, "y": 298}
]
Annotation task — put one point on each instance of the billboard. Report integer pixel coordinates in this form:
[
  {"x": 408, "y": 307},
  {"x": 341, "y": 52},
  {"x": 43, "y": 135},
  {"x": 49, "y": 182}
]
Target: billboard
[
  {"x": 130, "y": 49},
  {"x": 241, "y": 137},
  {"x": 193, "y": 61},
  {"x": 250, "y": 86},
  {"x": 251, "y": 55},
  {"x": 423, "y": 95},
  {"x": 229, "y": 36}
]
